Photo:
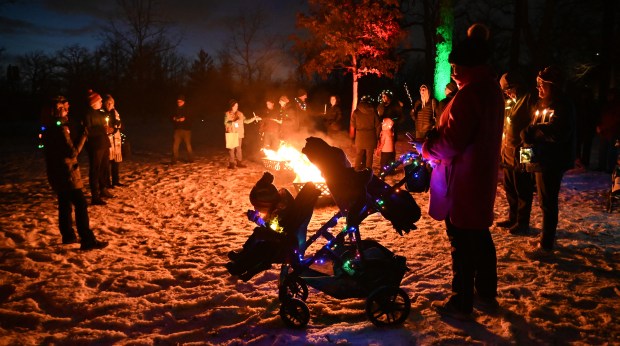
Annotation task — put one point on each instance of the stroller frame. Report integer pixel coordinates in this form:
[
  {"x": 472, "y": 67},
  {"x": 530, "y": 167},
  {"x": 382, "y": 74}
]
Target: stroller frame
[{"x": 360, "y": 268}]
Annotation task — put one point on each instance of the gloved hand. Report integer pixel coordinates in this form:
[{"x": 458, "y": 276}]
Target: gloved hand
[
  {"x": 432, "y": 133},
  {"x": 418, "y": 146},
  {"x": 528, "y": 134}
]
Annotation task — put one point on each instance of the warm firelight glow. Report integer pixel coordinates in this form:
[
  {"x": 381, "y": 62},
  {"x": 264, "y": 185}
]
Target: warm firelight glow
[{"x": 298, "y": 162}]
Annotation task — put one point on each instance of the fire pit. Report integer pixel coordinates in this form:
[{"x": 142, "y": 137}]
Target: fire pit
[
  {"x": 290, "y": 159},
  {"x": 276, "y": 165},
  {"x": 321, "y": 186}
]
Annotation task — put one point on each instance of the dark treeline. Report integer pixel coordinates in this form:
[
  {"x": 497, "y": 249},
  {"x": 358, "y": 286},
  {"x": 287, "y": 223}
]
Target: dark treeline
[{"x": 139, "y": 63}]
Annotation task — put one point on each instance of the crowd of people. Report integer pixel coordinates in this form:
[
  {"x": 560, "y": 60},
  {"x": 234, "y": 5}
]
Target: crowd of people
[{"x": 484, "y": 123}]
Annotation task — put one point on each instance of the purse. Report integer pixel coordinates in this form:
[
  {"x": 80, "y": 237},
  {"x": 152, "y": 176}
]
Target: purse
[{"x": 232, "y": 140}]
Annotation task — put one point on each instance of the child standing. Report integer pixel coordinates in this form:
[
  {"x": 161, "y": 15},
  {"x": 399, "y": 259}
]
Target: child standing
[{"x": 386, "y": 147}]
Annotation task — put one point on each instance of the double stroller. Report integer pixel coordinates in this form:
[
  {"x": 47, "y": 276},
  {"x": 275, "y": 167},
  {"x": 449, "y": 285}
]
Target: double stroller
[{"x": 346, "y": 266}]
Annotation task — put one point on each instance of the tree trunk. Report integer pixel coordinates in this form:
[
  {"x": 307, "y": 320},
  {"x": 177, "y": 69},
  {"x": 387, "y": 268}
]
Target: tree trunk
[
  {"x": 354, "y": 103},
  {"x": 607, "y": 45}
]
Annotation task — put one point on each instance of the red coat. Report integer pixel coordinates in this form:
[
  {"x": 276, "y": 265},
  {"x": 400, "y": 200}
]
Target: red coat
[{"x": 467, "y": 152}]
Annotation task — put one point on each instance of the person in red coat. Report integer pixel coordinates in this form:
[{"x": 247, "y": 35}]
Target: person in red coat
[{"x": 465, "y": 149}]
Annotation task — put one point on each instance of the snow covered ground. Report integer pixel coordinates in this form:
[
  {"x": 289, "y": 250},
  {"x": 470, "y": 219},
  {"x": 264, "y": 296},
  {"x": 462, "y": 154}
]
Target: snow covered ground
[{"x": 162, "y": 279}]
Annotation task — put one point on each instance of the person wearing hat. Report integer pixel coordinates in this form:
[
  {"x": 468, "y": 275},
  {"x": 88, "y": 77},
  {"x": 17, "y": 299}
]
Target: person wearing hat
[
  {"x": 182, "y": 123},
  {"x": 518, "y": 184},
  {"x": 366, "y": 126},
  {"x": 424, "y": 113},
  {"x": 551, "y": 135},
  {"x": 465, "y": 152},
  {"x": 63, "y": 174},
  {"x": 98, "y": 148}
]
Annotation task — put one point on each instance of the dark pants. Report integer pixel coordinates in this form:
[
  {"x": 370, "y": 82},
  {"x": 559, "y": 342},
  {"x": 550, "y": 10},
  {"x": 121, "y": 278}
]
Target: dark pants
[
  {"x": 186, "y": 137},
  {"x": 98, "y": 170},
  {"x": 519, "y": 188},
  {"x": 271, "y": 140},
  {"x": 235, "y": 155},
  {"x": 474, "y": 265},
  {"x": 548, "y": 188},
  {"x": 67, "y": 200},
  {"x": 114, "y": 172},
  {"x": 363, "y": 158}
]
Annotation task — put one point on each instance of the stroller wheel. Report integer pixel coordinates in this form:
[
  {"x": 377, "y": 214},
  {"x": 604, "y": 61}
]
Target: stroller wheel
[
  {"x": 295, "y": 313},
  {"x": 388, "y": 306},
  {"x": 293, "y": 287}
]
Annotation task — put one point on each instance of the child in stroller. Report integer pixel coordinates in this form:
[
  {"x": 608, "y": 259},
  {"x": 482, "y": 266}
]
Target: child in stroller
[{"x": 361, "y": 268}]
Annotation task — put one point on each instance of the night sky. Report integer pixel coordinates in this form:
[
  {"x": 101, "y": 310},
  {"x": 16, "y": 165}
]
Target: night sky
[{"x": 48, "y": 25}]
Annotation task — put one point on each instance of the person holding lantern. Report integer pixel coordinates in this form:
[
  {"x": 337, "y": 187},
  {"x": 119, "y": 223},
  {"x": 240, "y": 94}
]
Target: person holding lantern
[
  {"x": 551, "y": 136},
  {"x": 113, "y": 122},
  {"x": 518, "y": 184}
]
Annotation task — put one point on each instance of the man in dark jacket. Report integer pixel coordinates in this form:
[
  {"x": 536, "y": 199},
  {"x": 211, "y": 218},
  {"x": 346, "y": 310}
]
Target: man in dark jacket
[
  {"x": 366, "y": 127},
  {"x": 182, "y": 122},
  {"x": 98, "y": 148},
  {"x": 552, "y": 138},
  {"x": 518, "y": 184},
  {"x": 64, "y": 177}
]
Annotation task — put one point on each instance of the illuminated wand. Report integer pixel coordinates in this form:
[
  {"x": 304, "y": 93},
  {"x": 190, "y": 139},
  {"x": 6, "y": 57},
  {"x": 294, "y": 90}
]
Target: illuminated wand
[{"x": 409, "y": 95}]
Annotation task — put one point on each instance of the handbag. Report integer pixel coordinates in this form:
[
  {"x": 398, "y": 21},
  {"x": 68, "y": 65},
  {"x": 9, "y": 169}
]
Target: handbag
[{"x": 232, "y": 140}]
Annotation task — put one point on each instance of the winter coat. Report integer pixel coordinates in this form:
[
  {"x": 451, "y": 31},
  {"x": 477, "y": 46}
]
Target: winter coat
[
  {"x": 552, "y": 135},
  {"x": 95, "y": 123},
  {"x": 424, "y": 115},
  {"x": 290, "y": 120},
  {"x": 367, "y": 126},
  {"x": 268, "y": 124},
  {"x": 392, "y": 110},
  {"x": 61, "y": 155},
  {"x": 333, "y": 115},
  {"x": 234, "y": 123},
  {"x": 518, "y": 117},
  {"x": 466, "y": 153},
  {"x": 115, "y": 125},
  {"x": 180, "y": 113}
]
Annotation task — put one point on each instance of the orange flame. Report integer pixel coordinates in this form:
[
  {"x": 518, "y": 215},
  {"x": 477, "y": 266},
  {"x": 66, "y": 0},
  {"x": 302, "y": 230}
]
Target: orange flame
[{"x": 297, "y": 161}]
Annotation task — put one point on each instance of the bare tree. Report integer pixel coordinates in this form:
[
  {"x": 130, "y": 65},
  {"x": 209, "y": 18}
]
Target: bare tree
[
  {"x": 250, "y": 45},
  {"x": 142, "y": 37},
  {"x": 37, "y": 71}
]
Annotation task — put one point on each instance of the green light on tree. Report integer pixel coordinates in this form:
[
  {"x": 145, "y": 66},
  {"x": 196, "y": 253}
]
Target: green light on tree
[{"x": 443, "y": 49}]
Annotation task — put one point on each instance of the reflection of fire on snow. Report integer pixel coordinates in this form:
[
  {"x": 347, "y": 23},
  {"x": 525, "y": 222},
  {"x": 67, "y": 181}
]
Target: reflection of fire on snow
[{"x": 290, "y": 158}]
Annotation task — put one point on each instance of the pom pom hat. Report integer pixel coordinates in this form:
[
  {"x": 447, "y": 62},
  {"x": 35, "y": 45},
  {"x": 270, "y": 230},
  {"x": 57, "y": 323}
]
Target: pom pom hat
[
  {"x": 264, "y": 194},
  {"x": 474, "y": 50},
  {"x": 93, "y": 97}
]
